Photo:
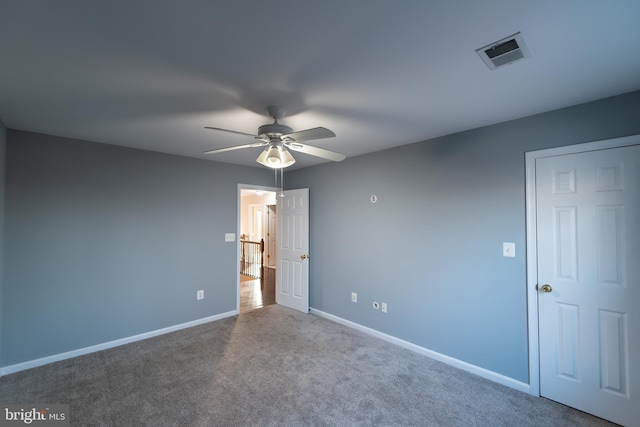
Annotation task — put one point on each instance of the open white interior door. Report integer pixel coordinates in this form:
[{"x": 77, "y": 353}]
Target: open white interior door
[{"x": 292, "y": 271}]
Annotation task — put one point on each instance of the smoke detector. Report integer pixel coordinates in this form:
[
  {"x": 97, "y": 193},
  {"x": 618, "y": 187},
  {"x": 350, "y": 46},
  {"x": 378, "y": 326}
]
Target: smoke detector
[{"x": 504, "y": 52}]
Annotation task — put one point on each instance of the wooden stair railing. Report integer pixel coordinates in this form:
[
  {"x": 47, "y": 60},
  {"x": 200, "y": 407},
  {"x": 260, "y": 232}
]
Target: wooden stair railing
[{"x": 252, "y": 258}]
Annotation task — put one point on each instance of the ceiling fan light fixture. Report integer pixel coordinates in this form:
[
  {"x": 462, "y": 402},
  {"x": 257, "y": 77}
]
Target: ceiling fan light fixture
[
  {"x": 276, "y": 157},
  {"x": 278, "y": 138}
]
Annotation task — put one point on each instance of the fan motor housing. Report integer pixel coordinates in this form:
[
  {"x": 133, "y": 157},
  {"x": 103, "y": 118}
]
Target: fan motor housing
[{"x": 274, "y": 129}]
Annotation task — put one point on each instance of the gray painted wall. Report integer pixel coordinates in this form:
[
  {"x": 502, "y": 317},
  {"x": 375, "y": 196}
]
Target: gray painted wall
[
  {"x": 3, "y": 148},
  {"x": 431, "y": 247},
  {"x": 105, "y": 242}
]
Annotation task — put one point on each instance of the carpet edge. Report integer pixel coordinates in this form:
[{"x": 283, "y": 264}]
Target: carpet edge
[
  {"x": 457, "y": 363},
  {"x": 11, "y": 369}
]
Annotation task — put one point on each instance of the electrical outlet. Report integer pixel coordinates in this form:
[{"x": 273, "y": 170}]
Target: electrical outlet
[
  {"x": 200, "y": 294},
  {"x": 354, "y": 297},
  {"x": 383, "y": 307}
]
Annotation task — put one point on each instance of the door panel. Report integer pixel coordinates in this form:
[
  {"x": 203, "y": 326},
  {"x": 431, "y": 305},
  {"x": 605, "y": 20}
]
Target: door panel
[
  {"x": 588, "y": 240},
  {"x": 568, "y": 338},
  {"x": 292, "y": 272},
  {"x": 613, "y": 356}
]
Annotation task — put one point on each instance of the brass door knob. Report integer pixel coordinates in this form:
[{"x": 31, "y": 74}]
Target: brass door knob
[
  {"x": 304, "y": 256},
  {"x": 546, "y": 288}
]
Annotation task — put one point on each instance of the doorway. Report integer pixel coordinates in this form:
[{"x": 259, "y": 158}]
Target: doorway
[
  {"x": 257, "y": 226},
  {"x": 582, "y": 283}
]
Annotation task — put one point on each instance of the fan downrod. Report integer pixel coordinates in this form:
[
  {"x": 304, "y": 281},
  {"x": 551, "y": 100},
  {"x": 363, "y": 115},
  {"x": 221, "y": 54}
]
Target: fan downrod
[{"x": 276, "y": 112}]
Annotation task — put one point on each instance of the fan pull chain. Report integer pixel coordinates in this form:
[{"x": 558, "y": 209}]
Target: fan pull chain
[{"x": 281, "y": 182}]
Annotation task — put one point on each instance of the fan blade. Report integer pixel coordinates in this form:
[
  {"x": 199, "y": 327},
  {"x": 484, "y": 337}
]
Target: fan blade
[
  {"x": 308, "y": 135},
  {"x": 237, "y": 147},
  {"x": 315, "y": 151},
  {"x": 232, "y": 131}
]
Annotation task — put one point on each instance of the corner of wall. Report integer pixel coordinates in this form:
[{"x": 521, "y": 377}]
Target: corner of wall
[{"x": 3, "y": 150}]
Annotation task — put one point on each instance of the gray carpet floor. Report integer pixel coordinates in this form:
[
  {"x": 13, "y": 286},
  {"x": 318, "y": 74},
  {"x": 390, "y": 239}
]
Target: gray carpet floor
[{"x": 276, "y": 367}]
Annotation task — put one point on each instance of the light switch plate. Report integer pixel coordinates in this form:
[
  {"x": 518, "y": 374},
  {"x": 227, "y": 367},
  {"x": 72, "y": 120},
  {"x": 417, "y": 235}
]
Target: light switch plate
[
  {"x": 508, "y": 249},
  {"x": 229, "y": 237}
]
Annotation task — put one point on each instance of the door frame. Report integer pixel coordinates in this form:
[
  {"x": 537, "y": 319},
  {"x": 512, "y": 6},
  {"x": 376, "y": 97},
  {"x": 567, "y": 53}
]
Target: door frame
[
  {"x": 271, "y": 252},
  {"x": 531, "y": 239},
  {"x": 238, "y": 228}
]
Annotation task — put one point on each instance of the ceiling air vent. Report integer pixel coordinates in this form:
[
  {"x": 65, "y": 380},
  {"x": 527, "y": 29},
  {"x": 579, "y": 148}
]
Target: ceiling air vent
[{"x": 503, "y": 52}]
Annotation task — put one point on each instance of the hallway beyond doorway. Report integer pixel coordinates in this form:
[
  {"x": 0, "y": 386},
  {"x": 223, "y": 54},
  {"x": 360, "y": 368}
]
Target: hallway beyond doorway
[{"x": 251, "y": 294}]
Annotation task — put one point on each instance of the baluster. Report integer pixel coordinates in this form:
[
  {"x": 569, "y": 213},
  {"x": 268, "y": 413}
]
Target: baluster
[{"x": 261, "y": 264}]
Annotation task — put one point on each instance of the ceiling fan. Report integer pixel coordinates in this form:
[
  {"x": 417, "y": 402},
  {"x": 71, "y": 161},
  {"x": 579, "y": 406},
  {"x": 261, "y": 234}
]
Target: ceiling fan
[{"x": 278, "y": 137}]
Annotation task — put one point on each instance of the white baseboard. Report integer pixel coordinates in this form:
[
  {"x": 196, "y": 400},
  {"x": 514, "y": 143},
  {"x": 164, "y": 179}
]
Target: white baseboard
[
  {"x": 484, "y": 373},
  {"x": 6, "y": 370}
]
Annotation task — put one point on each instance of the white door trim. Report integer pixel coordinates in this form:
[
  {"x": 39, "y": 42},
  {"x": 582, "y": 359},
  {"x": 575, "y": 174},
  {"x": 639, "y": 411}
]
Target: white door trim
[
  {"x": 239, "y": 227},
  {"x": 531, "y": 232}
]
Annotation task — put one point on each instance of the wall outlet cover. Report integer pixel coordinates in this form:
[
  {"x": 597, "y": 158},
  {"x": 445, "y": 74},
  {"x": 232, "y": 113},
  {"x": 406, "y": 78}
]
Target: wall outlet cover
[{"x": 508, "y": 249}]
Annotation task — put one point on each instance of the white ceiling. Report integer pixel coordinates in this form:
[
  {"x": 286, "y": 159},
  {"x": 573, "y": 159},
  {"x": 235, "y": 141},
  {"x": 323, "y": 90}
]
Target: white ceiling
[{"x": 379, "y": 73}]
